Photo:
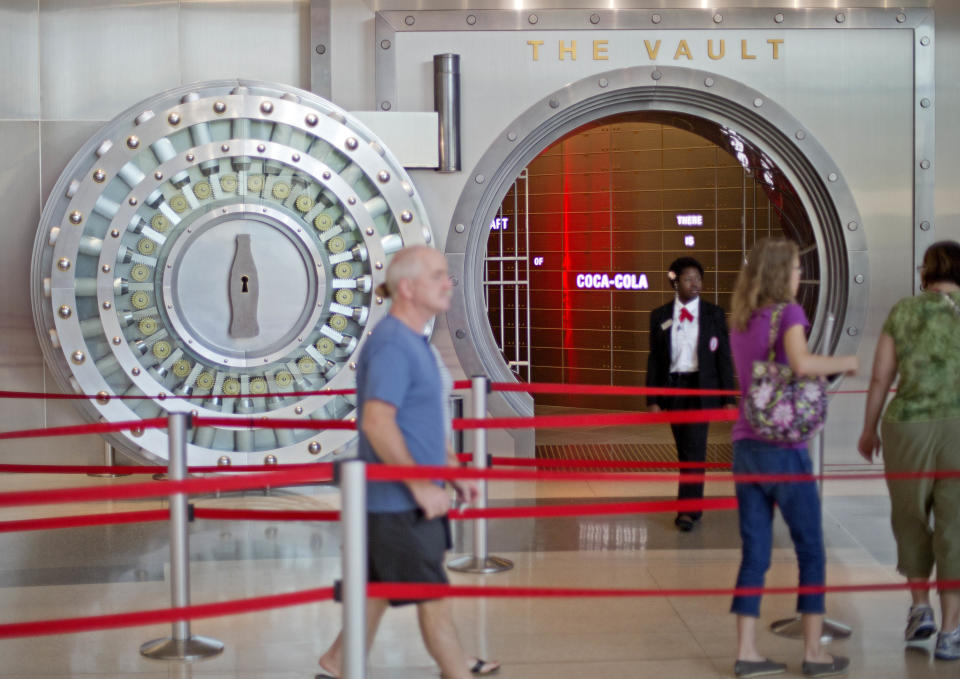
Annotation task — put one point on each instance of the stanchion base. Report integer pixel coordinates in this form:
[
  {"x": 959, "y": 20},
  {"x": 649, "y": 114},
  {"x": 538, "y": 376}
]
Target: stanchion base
[
  {"x": 474, "y": 564},
  {"x": 792, "y": 628},
  {"x": 107, "y": 476},
  {"x": 194, "y": 648}
]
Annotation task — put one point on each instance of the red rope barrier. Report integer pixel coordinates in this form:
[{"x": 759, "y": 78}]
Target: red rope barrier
[
  {"x": 264, "y": 514},
  {"x": 81, "y": 520},
  {"x": 81, "y": 429},
  {"x": 599, "y": 419},
  {"x": 162, "y": 615},
  {"x": 390, "y": 590},
  {"x": 148, "y": 469},
  {"x": 410, "y": 591}
]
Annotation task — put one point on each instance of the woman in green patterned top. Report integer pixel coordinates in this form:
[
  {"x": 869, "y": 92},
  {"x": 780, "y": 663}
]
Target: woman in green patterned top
[{"x": 921, "y": 431}]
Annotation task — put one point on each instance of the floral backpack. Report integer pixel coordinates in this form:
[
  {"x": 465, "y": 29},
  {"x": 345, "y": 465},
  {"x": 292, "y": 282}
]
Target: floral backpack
[{"x": 779, "y": 405}]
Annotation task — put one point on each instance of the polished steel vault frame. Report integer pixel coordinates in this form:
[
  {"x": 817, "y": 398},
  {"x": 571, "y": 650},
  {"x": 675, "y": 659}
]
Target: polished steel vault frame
[{"x": 722, "y": 100}]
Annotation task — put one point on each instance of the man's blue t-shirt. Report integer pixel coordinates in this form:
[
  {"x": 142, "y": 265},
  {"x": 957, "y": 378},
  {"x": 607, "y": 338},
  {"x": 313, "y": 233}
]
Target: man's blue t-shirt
[{"x": 397, "y": 366}]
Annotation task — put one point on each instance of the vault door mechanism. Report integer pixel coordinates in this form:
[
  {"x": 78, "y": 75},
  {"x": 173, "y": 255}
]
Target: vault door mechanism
[{"x": 215, "y": 248}]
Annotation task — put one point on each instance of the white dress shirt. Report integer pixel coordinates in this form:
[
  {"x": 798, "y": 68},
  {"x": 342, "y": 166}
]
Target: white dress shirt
[{"x": 683, "y": 338}]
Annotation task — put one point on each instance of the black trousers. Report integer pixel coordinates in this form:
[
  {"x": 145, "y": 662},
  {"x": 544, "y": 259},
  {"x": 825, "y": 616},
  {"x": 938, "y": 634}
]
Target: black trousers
[{"x": 691, "y": 439}]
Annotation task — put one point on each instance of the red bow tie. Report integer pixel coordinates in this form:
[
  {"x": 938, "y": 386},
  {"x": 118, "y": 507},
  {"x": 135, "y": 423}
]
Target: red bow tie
[{"x": 685, "y": 315}]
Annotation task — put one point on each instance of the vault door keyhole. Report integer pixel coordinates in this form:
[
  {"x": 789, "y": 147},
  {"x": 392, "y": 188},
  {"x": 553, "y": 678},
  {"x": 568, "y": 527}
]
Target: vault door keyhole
[{"x": 244, "y": 291}]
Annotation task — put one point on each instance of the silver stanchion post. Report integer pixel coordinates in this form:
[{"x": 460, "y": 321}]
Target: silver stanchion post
[
  {"x": 353, "y": 521},
  {"x": 109, "y": 460},
  {"x": 793, "y": 627},
  {"x": 181, "y": 645},
  {"x": 480, "y": 561}
]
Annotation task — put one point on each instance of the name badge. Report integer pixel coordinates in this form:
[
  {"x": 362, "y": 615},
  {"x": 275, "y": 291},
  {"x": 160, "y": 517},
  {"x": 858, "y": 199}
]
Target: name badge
[{"x": 666, "y": 324}]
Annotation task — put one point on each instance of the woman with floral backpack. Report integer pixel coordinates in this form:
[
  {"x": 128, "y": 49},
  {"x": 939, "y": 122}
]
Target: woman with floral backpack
[{"x": 765, "y": 296}]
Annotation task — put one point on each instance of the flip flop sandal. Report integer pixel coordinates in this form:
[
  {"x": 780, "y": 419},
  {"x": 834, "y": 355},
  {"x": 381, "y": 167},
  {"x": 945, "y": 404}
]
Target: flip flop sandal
[{"x": 484, "y": 667}]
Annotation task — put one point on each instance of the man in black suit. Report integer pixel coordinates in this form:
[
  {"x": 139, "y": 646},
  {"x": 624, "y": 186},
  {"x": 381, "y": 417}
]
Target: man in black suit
[{"x": 689, "y": 349}]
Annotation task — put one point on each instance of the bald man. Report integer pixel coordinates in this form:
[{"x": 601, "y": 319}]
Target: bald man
[{"x": 400, "y": 401}]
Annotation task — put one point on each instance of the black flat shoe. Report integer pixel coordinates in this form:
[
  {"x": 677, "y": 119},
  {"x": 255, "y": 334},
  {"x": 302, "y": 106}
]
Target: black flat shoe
[{"x": 684, "y": 523}]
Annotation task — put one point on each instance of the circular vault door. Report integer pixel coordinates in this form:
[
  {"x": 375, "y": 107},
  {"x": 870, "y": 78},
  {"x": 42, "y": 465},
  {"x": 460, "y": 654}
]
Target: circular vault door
[{"x": 215, "y": 249}]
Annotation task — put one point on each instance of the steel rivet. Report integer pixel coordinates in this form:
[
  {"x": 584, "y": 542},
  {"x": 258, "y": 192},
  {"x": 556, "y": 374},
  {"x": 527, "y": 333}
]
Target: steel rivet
[
  {"x": 533, "y": 18},
  {"x": 103, "y": 397},
  {"x": 107, "y": 305},
  {"x": 298, "y": 410},
  {"x": 76, "y": 217},
  {"x": 471, "y": 19},
  {"x": 459, "y": 228},
  {"x": 925, "y": 164},
  {"x": 378, "y": 266},
  {"x": 295, "y": 157},
  {"x": 321, "y": 49},
  {"x": 859, "y": 278},
  {"x": 385, "y": 44},
  {"x": 133, "y": 141},
  {"x": 852, "y": 226},
  {"x": 261, "y": 148},
  {"x": 223, "y": 461},
  {"x": 656, "y": 18},
  {"x": 554, "y": 102},
  {"x": 63, "y": 264},
  {"x": 511, "y": 136},
  {"x": 266, "y": 107},
  {"x": 173, "y": 119},
  {"x": 353, "y": 365},
  {"x": 64, "y": 311},
  {"x": 190, "y": 157},
  {"x": 351, "y": 143},
  {"x": 135, "y": 371},
  {"x": 224, "y": 147},
  {"x": 852, "y": 331},
  {"x": 383, "y": 176},
  {"x": 901, "y": 18},
  {"x": 312, "y": 119},
  {"x": 117, "y": 340},
  {"x": 314, "y": 447},
  {"x": 114, "y": 233},
  {"x": 270, "y": 460},
  {"x": 479, "y": 179},
  {"x": 778, "y": 17},
  {"x": 841, "y": 18},
  {"x": 406, "y": 216},
  {"x": 717, "y": 18},
  {"x": 925, "y": 103},
  {"x": 158, "y": 175},
  {"x": 925, "y": 225},
  {"x": 709, "y": 82},
  {"x": 758, "y": 102},
  {"x": 461, "y": 333},
  {"x": 219, "y": 107},
  {"x": 594, "y": 18},
  {"x": 832, "y": 177},
  {"x": 352, "y": 200},
  {"x": 99, "y": 176},
  {"x": 78, "y": 357},
  {"x": 133, "y": 201},
  {"x": 326, "y": 174},
  {"x": 105, "y": 268},
  {"x": 603, "y": 82},
  {"x": 369, "y": 231},
  {"x": 656, "y": 75},
  {"x": 801, "y": 135},
  {"x": 385, "y": 105},
  {"x": 925, "y": 40},
  {"x": 379, "y": 300}
]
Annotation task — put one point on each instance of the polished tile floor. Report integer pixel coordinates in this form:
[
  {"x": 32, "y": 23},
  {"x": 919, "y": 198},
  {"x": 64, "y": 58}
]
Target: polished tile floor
[{"x": 89, "y": 571}]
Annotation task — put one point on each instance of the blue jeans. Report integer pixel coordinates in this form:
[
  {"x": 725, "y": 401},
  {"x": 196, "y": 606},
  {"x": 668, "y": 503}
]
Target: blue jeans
[{"x": 800, "y": 507}]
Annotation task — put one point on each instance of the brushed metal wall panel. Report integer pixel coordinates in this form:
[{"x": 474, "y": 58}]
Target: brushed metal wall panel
[
  {"x": 97, "y": 59},
  {"x": 59, "y": 141},
  {"x": 252, "y": 39},
  {"x": 19, "y": 37},
  {"x": 20, "y": 203}
]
